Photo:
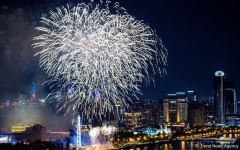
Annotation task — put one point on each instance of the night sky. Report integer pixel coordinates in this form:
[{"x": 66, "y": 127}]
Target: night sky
[{"x": 201, "y": 37}]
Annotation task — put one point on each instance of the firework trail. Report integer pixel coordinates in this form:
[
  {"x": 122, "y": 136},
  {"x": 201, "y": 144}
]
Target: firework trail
[{"x": 97, "y": 55}]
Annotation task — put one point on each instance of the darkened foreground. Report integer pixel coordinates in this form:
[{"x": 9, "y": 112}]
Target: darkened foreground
[{"x": 38, "y": 145}]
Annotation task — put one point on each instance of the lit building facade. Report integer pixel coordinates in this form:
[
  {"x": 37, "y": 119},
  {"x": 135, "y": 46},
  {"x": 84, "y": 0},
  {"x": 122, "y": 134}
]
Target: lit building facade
[
  {"x": 175, "y": 109},
  {"x": 19, "y": 128},
  {"x": 182, "y": 107},
  {"x": 133, "y": 120},
  {"x": 142, "y": 112}
]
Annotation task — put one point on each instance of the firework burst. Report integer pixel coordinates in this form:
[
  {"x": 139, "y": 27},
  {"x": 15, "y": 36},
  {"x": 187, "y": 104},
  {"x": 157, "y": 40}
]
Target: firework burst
[{"x": 96, "y": 56}]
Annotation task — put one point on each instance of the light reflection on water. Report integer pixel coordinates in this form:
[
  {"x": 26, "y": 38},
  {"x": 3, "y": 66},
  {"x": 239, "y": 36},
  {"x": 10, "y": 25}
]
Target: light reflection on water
[{"x": 184, "y": 145}]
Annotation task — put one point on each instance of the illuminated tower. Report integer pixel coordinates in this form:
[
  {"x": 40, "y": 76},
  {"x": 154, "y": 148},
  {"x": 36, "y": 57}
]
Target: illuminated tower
[
  {"x": 78, "y": 132},
  {"x": 166, "y": 111},
  {"x": 218, "y": 86},
  {"x": 33, "y": 92}
]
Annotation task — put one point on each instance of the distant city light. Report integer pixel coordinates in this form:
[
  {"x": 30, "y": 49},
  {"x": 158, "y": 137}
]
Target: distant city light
[
  {"x": 171, "y": 94},
  {"x": 180, "y": 93}
]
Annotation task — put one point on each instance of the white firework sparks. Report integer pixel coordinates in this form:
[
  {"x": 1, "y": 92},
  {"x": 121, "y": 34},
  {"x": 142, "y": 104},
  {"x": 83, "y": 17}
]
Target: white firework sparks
[
  {"x": 101, "y": 134},
  {"x": 99, "y": 55}
]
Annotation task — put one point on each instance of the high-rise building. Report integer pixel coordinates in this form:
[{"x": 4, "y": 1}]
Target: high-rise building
[
  {"x": 196, "y": 113},
  {"x": 229, "y": 96},
  {"x": 175, "y": 109},
  {"x": 238, "y": 107},
  {"x": 133, "y": 120},
  {"x": 218, "y": 84},
  {"x": 182, "y": 108},
  {"x": 208, "y": 104},
  {"x": 225, "y": 101},
  {"x": 157, "y": 112},
  {"x": 166, "y": 112},
  {"x": 142, "y": 112},
  {"x": 191, "y": 96}
]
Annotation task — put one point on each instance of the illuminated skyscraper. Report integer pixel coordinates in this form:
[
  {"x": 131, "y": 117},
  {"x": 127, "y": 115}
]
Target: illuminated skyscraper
[
  {"x": 218, "y": 96},
  {"x": 225, "y": 101}
]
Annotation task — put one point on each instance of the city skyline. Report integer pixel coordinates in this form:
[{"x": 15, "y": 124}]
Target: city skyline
[{"x": 109, "y": 74}]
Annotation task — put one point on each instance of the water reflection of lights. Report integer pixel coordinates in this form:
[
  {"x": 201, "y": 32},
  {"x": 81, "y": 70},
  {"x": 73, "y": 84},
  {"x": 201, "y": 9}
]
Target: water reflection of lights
[{"x": 98, "y": 147}]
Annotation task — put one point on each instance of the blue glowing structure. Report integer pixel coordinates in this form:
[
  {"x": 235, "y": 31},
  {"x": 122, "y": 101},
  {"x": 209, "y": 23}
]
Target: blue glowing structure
[
  {"x": 85, "y": 138},
  {"x": 33, "y": 92},
  {"x": 151, "y": 131},
  {"x": 79, "y": 144},
  {"x": 33, "y": 88}
]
